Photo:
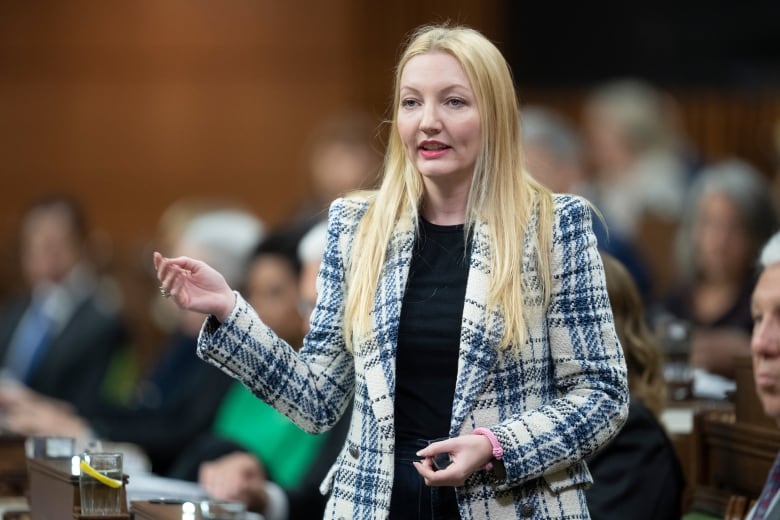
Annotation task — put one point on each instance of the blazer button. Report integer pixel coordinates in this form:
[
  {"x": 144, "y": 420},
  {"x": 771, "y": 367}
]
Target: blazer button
[
  {"x": 354, "y": 451},
  {"x": 527, "y": 510}
]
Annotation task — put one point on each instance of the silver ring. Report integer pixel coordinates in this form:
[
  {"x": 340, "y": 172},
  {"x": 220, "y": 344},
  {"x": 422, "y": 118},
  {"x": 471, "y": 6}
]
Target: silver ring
[{"x": 165, "y": 292}]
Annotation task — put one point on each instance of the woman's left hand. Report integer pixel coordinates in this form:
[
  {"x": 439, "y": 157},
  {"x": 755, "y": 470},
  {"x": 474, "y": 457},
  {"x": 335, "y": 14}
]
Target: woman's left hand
[{"x": 468, "y": 453}]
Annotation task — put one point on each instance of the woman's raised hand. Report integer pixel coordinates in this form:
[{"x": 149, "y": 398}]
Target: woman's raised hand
[{"x": 194, "y": 286}]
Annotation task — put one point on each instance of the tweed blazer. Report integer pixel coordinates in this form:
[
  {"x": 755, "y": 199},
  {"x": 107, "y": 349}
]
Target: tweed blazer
[{"x": 550, "y": 403}]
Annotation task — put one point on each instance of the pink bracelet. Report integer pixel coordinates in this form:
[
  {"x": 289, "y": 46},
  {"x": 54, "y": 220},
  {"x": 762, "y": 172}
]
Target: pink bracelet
[{"x": 498, "y": 451}]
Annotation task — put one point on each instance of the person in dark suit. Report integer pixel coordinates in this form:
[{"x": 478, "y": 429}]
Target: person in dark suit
[
  {"x": 637, "y": 475},
  {"x": 58, "y": 338},
  {"x": 177, "y": 399}
]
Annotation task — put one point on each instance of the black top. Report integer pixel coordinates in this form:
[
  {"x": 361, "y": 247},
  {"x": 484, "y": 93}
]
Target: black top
[
  {"x": 637, "y": 475},
  {"x": 429, "y": 333},
  {"x": 680, "y": 304}
]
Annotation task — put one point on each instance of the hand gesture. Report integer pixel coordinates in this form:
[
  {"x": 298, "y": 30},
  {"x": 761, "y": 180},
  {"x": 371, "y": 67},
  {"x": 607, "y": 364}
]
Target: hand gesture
[
  {"x": 194, "y": 286},
  {"x": 467, "y": 454}
]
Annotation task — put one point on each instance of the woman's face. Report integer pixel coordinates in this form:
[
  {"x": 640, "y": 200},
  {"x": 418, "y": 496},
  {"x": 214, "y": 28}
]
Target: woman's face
[
  {"x": 721, "y": 239},
  {"x": 438, "y": 119}
]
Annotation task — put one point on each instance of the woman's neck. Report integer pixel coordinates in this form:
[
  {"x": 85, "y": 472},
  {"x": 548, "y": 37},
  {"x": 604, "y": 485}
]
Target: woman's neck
[{"x": 445, "y": 207}]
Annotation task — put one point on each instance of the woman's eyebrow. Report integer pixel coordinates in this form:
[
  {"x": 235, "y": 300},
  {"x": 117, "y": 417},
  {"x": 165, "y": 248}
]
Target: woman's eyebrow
[{"x": 448, "y": 88}]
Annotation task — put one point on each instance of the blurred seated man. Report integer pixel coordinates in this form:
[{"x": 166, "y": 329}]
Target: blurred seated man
[
  {"x": 58, "y": 338},
  {"x": 250, "y": 442},
  {"x": 765, "y": 348},
  {"x": 178, "y": 399}
]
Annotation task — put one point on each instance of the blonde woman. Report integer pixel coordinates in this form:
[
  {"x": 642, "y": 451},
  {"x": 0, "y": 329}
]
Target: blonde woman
[{"x": 461, "y": 301}]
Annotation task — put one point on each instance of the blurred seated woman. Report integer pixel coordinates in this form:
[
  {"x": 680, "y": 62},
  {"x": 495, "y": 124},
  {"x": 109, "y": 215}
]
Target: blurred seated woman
[
  {"x": 728, "y": 216},
  {"x": 637, "y": 475}
]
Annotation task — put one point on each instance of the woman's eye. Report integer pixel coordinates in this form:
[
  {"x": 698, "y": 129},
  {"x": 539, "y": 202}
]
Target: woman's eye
[
  {"x": 408, "y": 103},
  {"x": 455, "y": 102}
]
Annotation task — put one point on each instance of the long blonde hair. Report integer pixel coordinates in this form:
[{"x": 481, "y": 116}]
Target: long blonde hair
[{"x": 502, "y": 194}]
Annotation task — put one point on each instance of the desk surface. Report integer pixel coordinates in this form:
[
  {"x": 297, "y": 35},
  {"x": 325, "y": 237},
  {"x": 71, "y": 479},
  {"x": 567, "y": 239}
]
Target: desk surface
[
  {"x": 678, "y": 416},
  {"x": 8, "y": 504},
  {"x": 145, "y": 510}
]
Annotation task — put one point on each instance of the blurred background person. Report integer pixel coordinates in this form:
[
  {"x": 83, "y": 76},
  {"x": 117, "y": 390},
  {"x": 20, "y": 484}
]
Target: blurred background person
[
  {"x": 728, "y": 215},
  {"x": 271, "y": 446},
  {"x": 634, "y": 152},
  {"x": 553, "y": 150},
  {"x": 250, "y": 442},
  {"x": 639, "y": 168},
  {"x": 310, "y": 252},
  {"x": 637, "y": 475},
  {"x": 342, "y": 154},
  {"x": 178, "y": 398},
  {"x": 555, "y": 157},
  {"x": 58, "y": 338}
]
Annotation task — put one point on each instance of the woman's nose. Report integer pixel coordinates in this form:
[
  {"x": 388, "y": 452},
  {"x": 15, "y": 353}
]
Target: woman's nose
[{"x": 430, "y": 122}]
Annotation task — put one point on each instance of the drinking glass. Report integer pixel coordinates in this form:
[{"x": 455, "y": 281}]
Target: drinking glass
[{"x": 99, "y": 498}]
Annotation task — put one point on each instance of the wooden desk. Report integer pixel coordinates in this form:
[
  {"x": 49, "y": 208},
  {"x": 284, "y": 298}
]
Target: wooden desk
[
  {"x": 733, "y": 451},
  {"x": 735, "y": 455},
  {"x": 14, "y": 507},
  {"x": 679, "y": 421},
  {"x": 54, "y": 491},
  {"x": 144, "y": 510}
]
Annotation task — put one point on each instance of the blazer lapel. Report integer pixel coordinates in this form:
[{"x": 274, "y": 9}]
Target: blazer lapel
[
  {"x": 380, "y": 350},
  {"x": 479, "y": 338}
]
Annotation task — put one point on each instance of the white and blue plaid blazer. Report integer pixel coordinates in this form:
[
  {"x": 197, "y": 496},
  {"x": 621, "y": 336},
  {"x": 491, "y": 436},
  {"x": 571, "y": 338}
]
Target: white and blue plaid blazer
[{"x": 550, "y": 403}]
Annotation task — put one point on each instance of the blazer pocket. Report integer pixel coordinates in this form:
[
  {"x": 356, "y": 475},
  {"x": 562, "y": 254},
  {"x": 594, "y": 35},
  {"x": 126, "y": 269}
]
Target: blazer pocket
[
  {"x": 347, "y": 461},
  {"x": 576, "y": 475},
  {"x": 327, "y": 483}
]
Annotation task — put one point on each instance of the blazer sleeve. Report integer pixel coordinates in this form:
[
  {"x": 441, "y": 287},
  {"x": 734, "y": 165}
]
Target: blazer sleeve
[
  {"x": 589, "y": 401},
  {"x": 313, "y": 386}
]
